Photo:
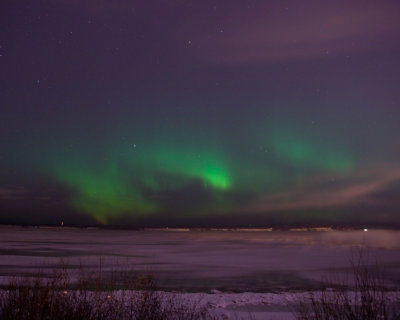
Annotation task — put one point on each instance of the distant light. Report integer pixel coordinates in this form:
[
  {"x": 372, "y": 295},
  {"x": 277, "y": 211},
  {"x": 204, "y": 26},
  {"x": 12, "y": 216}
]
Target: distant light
[{"x": 365, "y": 230}]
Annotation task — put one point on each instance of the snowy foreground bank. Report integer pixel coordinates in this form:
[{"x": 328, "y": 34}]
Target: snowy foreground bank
[
  {"x": 249, "y": 305},
  {"x": 217, "y": 305},
  {"x": 246, "y": 305}
]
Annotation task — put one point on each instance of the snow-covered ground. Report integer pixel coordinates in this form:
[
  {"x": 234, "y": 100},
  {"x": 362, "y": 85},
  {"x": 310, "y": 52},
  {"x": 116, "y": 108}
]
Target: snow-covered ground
[
  {"x": 250, "y": 305},
  {"x": 233, "y": 272},
  {"x": 247, "y": 305}
]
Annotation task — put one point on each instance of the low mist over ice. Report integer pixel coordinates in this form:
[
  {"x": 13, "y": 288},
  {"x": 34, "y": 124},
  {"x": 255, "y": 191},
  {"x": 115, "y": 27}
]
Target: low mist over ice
[{"x": 196, "y": 260}]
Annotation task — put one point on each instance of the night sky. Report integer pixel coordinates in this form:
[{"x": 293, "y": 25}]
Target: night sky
[{"x": 200, "y": 113}]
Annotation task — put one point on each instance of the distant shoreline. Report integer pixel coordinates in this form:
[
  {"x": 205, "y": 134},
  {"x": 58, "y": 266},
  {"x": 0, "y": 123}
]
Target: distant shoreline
[{"x": 199, "y": 229}]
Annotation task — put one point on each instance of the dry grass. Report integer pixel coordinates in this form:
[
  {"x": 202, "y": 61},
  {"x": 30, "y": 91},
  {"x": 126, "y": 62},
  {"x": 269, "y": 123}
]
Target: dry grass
[
  {"x": 92, "y": 298},
  {"x": 360, "y": 295}
]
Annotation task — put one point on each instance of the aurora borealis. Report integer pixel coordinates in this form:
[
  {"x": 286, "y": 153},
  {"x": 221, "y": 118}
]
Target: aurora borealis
[{"x": 200, "y": 113}]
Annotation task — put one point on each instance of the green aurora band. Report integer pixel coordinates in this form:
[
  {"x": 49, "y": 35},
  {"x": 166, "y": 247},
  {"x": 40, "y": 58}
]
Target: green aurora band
[
  {"x": 128, "y": 179},
  {"x": 300, "y": 152}
]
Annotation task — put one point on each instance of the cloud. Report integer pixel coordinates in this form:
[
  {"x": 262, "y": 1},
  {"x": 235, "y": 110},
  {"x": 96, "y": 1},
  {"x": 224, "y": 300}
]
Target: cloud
[
  {"x": 13, "y": 193},
  {"x": 308, "y": 30},
  {"x": 21, "y": 193},
  {"x": 317, "y": 193},
  {"x": 268, "y": 33}
]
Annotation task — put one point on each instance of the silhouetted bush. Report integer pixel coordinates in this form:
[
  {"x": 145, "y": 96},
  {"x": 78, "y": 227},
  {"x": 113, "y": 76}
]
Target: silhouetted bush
[
  {"x": 56, "y": 297},
  {"x": 360, "y": 295}
]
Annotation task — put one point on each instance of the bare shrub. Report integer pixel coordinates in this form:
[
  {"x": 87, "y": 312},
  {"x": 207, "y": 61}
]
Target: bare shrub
[
  {"x": 57, "y": 297},
  {"x": 361, "y": 294}
]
